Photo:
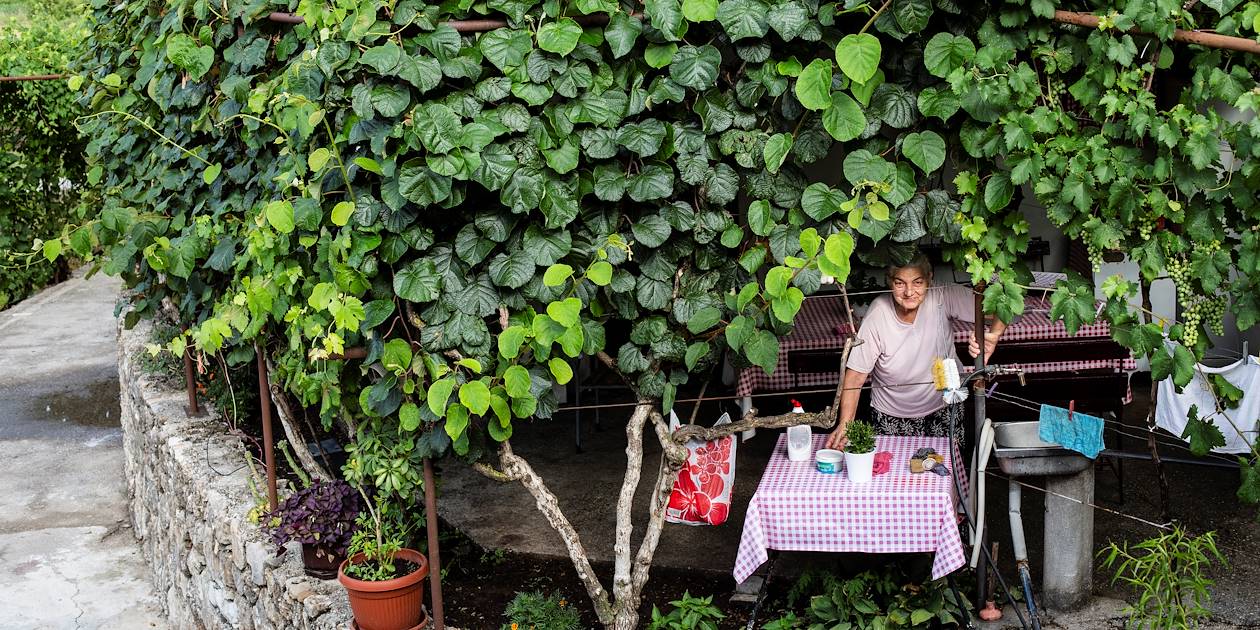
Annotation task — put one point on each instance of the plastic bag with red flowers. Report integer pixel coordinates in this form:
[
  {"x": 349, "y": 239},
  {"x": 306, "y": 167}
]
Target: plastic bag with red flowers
[{"x": 702, "y": 493}]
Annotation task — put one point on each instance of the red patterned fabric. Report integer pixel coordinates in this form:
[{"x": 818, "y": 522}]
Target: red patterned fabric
[
  {"x": 797, "y": 508},
  {"x": 822, "y": 325}
]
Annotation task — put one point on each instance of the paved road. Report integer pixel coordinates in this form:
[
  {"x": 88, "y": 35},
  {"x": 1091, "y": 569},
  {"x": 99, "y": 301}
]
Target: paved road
[{"x": 68, "y": 558}]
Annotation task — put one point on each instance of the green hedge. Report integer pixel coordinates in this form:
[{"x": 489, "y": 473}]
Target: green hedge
[
  {"x": 478, "y": 208},
  {"x": 42, "y": 169}
]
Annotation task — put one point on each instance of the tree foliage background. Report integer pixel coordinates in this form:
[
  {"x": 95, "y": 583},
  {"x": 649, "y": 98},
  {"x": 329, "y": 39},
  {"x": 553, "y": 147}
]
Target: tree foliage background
[
  {"x": 658, "y": 183},
  {"x": 42, "y": 165}
]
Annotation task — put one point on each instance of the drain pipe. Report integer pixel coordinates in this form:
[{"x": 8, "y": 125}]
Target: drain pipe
[
  {"x": 978, "y": 401},
  {"x": 1021, "y": 550}
]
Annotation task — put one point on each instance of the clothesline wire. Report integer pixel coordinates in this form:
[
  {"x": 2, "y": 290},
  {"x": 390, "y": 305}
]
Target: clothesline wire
[
  {"x": 1019, "y": 402},
  {"x": 1164, "y": 526},
  {"x": 1165, "y": 441},
  {"x": 702, "y": 399},
  {"x": 1160, "y": 526},
  {"x": 1035, "y": 406},
  {"x": 1025, "y": 403}
]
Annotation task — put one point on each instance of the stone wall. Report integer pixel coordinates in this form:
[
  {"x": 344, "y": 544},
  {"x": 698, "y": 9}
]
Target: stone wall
[{"x": 188, "y": 488}]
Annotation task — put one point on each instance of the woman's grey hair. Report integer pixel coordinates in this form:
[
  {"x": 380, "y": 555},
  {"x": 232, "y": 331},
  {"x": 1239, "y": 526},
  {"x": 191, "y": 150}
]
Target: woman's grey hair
[{"x": 920, "y": 262}]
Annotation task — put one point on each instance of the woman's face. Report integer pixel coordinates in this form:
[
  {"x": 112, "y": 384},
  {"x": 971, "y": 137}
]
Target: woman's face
[{"x": 909, "y": 287}]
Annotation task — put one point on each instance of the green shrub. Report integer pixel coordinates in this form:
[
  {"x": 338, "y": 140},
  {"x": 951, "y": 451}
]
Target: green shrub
[
  {"x": 872, "y": 599},
  {"x": 861, "y": 438},
  {"x": 42, "y": 171},
  {"x": 1167, "y": 572},
  {"x": 688, "y": 613},
  {"x": 536, "y": 611}
]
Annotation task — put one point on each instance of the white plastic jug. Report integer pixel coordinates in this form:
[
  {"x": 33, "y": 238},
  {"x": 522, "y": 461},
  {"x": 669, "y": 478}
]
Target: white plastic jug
[{"x": 799, "y": 439}]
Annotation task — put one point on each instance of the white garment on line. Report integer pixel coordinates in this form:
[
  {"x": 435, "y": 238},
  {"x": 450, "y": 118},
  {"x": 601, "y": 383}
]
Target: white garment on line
[{"x": 1172, "y": 410}]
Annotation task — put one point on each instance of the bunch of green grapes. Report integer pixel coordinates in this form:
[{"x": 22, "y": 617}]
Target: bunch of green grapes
[
  {"x": 1146, "y": 226},
  {"x": 1192, "y": 320},
  {"x": 1179, "y": 271},
  {"x": 1209, "y": 311},
  {"x": 1214, "y": 313},
  {"x": 1095, "y": 257}
]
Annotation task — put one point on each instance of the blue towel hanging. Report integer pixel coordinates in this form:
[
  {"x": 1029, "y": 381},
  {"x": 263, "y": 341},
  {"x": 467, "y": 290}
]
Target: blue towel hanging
[{"x": 1074, "y": 430}]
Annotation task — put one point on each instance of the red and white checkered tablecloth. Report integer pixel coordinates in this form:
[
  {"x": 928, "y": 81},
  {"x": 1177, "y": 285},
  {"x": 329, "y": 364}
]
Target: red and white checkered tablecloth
[
  {"x": 822, "y": 325},
  {"x": 797, "y": 508}
]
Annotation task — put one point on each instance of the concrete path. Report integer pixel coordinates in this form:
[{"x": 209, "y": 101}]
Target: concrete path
[{"x": 68, "y": 558}]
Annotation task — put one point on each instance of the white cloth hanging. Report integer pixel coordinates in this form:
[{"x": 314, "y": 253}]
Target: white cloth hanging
[{"x": 1239, "y": 426}]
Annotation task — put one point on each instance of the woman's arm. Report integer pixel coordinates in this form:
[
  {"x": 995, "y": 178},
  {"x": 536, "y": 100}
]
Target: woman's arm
[
  {"x": 853, "y": 382},
  {"x": 990, "y": 340}
]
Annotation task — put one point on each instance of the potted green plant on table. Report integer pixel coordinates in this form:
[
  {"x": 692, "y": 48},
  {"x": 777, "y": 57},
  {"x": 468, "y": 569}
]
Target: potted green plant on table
[
  {"x": 322, "y": 517},
  {"x": 859, "y": 453},
  {"x": 382, "y": 577}
]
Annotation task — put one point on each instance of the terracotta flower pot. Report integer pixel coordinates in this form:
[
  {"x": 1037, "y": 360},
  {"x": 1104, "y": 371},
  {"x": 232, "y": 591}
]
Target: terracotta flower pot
[
  {"x": 319, "y": 562},
  {"x": 396, "y": 604}
]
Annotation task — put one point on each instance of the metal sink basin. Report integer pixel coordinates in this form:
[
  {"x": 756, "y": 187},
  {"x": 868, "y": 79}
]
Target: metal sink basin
[{"x": 1020, "y": 452}]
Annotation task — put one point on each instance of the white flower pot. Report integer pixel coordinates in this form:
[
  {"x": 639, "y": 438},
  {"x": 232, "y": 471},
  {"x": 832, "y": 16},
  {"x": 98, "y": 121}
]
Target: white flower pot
[{"x": 858, "y": 466}]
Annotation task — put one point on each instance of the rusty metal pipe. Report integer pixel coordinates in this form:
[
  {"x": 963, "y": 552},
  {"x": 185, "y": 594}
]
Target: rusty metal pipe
[
  {"x": 190, "y": 384},
  {"x": 1210, "y": 40},
  {"x": 435, "y": 560},
  {"x": 354, "y": 352},
  {"x": 264, "y": 402},
  {"x": 34, "y": 77},
  {"x": 285, "y": 18}
]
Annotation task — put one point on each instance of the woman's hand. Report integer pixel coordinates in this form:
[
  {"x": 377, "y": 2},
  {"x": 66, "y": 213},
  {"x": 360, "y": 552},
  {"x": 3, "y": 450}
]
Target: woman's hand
[
  {"x": 990, "y": 343},
  {"x": 838, "y": 439}
]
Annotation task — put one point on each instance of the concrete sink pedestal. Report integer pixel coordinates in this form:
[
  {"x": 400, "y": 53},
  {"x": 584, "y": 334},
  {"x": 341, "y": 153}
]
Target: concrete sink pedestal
[{"x": 1067, "y": 578}]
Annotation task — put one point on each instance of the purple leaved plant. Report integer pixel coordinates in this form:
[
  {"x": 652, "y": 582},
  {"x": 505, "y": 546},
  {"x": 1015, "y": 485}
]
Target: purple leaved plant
[{"x": 321, "y": 514}]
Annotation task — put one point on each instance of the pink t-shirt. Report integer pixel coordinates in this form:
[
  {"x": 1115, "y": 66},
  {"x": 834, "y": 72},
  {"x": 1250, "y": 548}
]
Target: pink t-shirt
[{"x": 894, "y": 352}]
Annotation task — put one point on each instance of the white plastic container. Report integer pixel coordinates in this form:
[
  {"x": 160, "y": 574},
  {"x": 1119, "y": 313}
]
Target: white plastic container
[
  {"x": 799, "y": 439},
  {"x": 828, "y": 461}
]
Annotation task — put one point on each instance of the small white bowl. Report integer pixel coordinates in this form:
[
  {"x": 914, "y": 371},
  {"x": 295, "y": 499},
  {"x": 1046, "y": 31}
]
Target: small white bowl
[{"x": 828, "y": 461}]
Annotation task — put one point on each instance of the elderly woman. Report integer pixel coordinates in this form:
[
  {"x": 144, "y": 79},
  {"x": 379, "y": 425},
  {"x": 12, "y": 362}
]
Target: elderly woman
[{"x": 901, "y": 335}]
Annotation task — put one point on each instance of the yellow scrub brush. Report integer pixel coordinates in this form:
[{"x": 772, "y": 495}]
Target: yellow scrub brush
[{"x": 945, "y": 376}]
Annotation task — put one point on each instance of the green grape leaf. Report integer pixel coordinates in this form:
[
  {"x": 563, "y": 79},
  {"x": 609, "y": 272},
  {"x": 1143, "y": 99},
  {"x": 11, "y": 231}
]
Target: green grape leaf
[
  {"x": 561, "y": 370},
  {"x": 858, "y": 56},
  {"x": 476, "y": 396},
  {"x": 776, "y": 150},
  {"x": 743, "y": 18},
  {"x": 700, "y": 10},
  {"x": 409, "y": 416},
  {"x": 695, "y": 352},
  {"x": 946, "y": 52},
  {"x": 1202, "y": 435},
  {"x": 998, "y": 191},
  {"x": 419, "y": 281},
  {"x": 940, "y": 103},
  {"x": 696, "y": 67},
  {"x": 762, "y": 349},
  {"x": 820, "y": 201},
  {"x": 926, "y": 149},
  {"x": 560, "y": 36},
  {"x": 516, "y": 380},
  {"x": 557, "y": 274},
  {"x": 912, "y": 15},
  {"x": 600, "y": 272},
  {"x": 510, "y": 341},
  {"x": 813, "y": 87},
  {"x": 184, "y": 52},
  {"x": 844, "y": 120},
  {"x": 439, "y": 392}
]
